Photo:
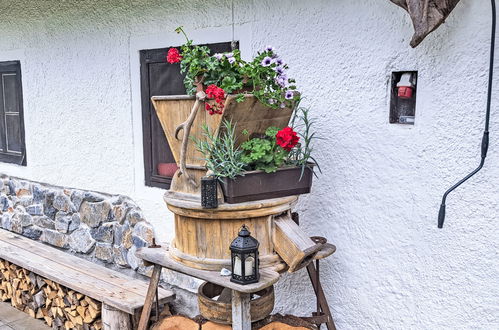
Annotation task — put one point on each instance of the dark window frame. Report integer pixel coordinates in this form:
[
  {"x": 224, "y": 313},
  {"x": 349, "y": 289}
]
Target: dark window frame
[
  {"x": 147, "y": 58},
  {"x": 14, "y": 67}
]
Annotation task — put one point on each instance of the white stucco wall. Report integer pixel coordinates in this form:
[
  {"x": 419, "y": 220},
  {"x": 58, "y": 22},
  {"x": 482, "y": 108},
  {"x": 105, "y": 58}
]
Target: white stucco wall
[{"x": 380, "y": 190}]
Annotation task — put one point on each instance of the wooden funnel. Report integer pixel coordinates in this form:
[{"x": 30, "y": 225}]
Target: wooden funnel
[{"x": 250, "y": 115}]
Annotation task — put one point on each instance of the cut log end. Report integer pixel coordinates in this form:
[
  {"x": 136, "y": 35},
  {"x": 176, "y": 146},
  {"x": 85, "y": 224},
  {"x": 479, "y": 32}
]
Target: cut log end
[{"x": 176, "y": 322}]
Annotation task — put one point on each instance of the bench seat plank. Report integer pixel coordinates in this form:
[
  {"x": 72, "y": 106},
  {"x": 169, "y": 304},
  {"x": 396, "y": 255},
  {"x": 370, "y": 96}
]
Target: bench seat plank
[
  {"x": 162, "y": 257},
  {"x": 82, "y": 265},
  {"x": 100, "y": 283}
]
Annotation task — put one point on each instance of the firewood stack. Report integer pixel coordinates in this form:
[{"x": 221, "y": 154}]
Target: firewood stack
[{"x": 61, "y": 308}]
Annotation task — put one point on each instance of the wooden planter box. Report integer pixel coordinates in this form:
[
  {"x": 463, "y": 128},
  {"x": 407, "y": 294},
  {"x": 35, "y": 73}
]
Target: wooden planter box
[{"x": 257, "y": 185}]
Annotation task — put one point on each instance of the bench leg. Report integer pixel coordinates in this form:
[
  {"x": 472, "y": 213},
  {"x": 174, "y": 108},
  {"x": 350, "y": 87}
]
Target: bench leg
[
  {"x": 241, "y": 317},
  {"x": 151, "y": 293},
  {"x": 114, "y": 319}
]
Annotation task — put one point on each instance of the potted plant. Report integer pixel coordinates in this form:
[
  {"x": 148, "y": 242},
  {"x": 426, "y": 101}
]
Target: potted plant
[
  {"x": 276, "y": 164},
  {"x": 255, "y": 94}
]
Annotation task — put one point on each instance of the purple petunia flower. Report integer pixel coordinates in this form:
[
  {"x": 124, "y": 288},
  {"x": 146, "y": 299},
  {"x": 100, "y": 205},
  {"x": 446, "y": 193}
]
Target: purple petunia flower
[
  {"x": 283, "y": 105},
  {"x": 271, "y": 101},
  {"x": 229, "y": 55},
  {"x": 289, "y": 95},
  {"x": 218, "y": 56},
  {"x": 231, "y": 60},
  {"x": 266, "y": 61},
  {"x": 282, "y": 80},
  {"x": 269, "y": 49},
  {"x": 279, "y": 70},
  {"x": 279, "y": 61}
]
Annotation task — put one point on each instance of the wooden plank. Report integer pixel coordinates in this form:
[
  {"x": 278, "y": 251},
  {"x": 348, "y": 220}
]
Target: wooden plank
[
  {"x": 71, "y": 277},
  {"x": 162, "y": 257},
  {"x": 84, "y": 266},
  {"x": 151, "y": 293},
  {"x": 87, "y": 285},
  {"x": 241, "y": 316}
]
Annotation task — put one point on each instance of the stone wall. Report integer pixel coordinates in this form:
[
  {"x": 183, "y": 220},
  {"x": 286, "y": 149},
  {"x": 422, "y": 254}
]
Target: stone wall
[{"x": 103, "y": 227}]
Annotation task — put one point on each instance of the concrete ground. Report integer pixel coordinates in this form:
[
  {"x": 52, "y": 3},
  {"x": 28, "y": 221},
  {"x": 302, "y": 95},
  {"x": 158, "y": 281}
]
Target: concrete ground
[{"x": 13, "y": 319}]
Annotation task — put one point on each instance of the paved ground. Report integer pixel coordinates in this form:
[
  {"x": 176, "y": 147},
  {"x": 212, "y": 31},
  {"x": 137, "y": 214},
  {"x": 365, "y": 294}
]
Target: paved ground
[{"x": 13, "y": 319}]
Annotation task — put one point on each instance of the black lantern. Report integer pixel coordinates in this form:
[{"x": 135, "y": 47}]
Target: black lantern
[
  {"x": 244, "y": 255},
  {"x": 209, "y": 198}
]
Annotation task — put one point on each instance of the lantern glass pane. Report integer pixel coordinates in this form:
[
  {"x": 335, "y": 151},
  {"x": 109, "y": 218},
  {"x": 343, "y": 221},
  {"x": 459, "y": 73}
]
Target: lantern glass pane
[
  {"x": 249, "y": 266},
  {"x": 237, "y": 266}
]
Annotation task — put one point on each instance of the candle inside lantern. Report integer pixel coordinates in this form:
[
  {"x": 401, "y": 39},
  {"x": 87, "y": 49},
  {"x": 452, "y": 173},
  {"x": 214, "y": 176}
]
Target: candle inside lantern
[
  {"x": 237, "y": 266},
  {"x": 249, "y": 263}
]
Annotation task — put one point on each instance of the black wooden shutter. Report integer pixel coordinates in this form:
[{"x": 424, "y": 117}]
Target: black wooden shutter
[
  {"x": 12, "y": 147},
  {"x": 158, "y": 77}
]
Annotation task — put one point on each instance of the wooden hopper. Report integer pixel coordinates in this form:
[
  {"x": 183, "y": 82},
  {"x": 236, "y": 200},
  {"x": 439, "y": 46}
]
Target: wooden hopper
[{"x": 250, "y": 115}]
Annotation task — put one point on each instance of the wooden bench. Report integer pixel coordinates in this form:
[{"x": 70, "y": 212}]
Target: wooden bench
[{"x": 121, "y": 296}]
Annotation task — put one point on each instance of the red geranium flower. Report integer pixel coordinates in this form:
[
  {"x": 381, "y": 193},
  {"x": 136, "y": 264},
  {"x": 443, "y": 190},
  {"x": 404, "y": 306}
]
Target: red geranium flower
[
  {"x": 287, "y": 138},
  {"x": 217, "y": 93},
  {"x": 173, "y": 56}
]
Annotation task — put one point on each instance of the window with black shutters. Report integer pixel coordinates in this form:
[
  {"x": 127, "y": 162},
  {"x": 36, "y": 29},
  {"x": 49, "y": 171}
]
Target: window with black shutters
[
  {"x": 159, "y": 77},
  {"x": 12, "y": 148}
]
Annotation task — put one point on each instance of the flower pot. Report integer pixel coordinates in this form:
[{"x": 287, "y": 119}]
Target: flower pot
[{"x": 256, "y": 185}]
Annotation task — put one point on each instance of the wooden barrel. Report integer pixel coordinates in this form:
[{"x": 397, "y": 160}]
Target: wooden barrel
[
  {"x": 203, "y": 236},
  {"x": 220, "y": 309}
]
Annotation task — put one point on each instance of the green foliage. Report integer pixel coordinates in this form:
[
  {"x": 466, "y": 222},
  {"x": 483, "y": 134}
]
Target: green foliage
[
  {"x": 221, "y": 155},
  {"x": 301, "y": 154},
  {"x": 228, "y": 71},
  {"x": 264, "y": 153}
]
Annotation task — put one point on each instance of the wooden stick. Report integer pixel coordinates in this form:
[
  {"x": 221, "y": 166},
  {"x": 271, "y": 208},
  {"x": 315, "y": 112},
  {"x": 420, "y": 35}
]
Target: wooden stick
[
  {"x": 186, "y": 126},
  {"x": 151, "y": 293}
]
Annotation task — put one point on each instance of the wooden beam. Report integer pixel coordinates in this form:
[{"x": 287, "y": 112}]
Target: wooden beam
[
  {"x": 241, "y": 316},
  {"x": 161, "y": 257}
]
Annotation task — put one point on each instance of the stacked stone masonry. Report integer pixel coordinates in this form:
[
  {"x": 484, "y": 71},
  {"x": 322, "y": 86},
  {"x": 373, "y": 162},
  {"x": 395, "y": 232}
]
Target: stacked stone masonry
[{"x": 108, "y": 228}]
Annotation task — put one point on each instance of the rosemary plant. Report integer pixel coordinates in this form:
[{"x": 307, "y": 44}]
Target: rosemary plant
[{"x": 222, "y": 157}]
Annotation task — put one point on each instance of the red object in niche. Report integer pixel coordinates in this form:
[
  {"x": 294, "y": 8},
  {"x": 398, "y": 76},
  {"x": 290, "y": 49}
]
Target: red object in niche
[
  {"x": 167, "y": 169},
  {"x": 405, "y": 92}
]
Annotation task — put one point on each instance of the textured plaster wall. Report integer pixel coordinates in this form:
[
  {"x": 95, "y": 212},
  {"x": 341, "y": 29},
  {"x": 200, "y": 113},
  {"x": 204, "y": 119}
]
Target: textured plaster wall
[{"x": 379, "y": 194}]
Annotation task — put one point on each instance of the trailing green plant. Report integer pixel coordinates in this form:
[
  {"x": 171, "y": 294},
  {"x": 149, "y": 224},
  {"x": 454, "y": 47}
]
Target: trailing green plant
[
  {"x": 263, "y": 153},
  {"x": 222, "y": 156}
]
